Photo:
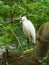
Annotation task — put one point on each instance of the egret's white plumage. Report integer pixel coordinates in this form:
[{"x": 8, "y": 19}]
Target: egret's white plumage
[{"x": 28, "y": 29}]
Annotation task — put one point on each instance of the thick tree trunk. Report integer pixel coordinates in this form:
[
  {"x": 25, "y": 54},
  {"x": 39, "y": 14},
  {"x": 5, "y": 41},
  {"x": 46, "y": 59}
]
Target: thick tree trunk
[{"x": 30, "y": 57}]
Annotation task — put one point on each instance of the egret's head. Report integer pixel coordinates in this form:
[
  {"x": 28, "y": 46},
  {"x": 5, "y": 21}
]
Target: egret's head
[{"x": 23, "y": 19}]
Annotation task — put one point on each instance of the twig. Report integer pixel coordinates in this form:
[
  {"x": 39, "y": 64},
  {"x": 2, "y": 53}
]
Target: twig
[
  {"x": 16, "y": 18},
  {"x": 8, "y": 21},
  {"x": 15, "y": 37}
]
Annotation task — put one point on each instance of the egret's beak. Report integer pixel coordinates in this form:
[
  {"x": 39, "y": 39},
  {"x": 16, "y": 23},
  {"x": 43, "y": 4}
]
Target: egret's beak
[{"x": 20, "y": 19}]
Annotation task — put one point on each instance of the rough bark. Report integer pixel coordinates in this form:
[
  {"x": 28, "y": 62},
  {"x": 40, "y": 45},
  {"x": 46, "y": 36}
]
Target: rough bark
[{"x": 30, "y": 57}]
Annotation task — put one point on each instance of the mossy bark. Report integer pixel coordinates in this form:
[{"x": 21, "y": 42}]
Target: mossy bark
[
  {"x": 30, "y": 57},
  {"x": 42, "y": 45}
]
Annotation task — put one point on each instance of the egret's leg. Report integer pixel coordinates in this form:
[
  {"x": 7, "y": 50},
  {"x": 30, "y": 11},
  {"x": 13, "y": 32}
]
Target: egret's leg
[{"x": 28, "y": 42}]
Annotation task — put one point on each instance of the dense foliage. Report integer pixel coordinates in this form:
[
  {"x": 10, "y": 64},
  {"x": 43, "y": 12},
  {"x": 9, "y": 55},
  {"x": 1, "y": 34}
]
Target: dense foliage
[{"x": 36, "y": 10}]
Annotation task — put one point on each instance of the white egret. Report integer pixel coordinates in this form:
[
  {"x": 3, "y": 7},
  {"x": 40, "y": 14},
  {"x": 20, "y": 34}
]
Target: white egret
[{"x": 28, "y": 29}]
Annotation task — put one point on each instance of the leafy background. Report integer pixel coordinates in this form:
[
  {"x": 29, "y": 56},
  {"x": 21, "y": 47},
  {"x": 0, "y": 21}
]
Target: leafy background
[{"x": 11, "y": 34}]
